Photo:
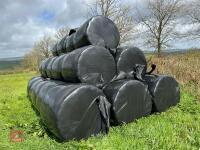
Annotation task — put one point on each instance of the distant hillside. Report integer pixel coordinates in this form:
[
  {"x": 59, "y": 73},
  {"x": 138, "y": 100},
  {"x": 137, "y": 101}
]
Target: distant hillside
[
  {"x": 173, "y": 51},
  {"x": 10, "y": 63}
]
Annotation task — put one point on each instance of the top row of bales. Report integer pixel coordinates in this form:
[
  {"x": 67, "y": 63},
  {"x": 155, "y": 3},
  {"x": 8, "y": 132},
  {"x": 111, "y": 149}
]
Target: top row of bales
[{"x": 99, "y": 31}]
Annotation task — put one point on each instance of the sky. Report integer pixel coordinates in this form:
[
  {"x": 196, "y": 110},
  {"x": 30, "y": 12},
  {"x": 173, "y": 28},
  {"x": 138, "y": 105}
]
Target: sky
[{"x": 24, "y": 22}]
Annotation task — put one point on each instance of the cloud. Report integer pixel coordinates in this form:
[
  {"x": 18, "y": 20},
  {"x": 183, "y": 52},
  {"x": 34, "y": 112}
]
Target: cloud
[{"x": 24, "y": 22}]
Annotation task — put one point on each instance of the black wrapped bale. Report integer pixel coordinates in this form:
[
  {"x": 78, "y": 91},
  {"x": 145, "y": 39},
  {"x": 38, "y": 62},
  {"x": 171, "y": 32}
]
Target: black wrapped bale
[
  {"x": 49, "y": 64},
  {"x": 33, "y": 83},
  {"x": 91, "y": 64},
  {"x": 70, "y": 111},
  {"x": 130, "y": 100},
  {"x": 43, "y": 66},
  {"x": 128, "y": 57},
  {"x": 30, "y": 84},
  {"x": 56, "y": 70},
  {"x": 98, "y": 30},
  {"x": 164, "y": 90}
]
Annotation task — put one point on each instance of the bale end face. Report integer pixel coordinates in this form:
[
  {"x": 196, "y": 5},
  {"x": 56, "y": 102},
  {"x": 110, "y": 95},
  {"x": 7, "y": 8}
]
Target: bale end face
[
  {"x": 103, "y": 32},
  {"x": 96, "y": 66},
  {"x": 128, "y": 57},
  {"x": 130, "y": 100},
  {"x": 165, "y": 92}
]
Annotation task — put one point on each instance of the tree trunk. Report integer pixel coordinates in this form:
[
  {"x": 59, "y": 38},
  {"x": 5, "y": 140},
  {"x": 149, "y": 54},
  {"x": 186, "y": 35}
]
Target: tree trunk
[{"x": 159, "y": 47}]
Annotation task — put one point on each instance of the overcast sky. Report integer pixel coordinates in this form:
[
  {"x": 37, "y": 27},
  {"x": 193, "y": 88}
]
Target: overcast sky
[{"x": 23, "y": 22}]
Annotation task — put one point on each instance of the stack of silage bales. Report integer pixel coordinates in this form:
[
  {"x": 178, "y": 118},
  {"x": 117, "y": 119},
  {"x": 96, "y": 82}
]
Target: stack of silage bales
[{"x": 90, "y": 83}]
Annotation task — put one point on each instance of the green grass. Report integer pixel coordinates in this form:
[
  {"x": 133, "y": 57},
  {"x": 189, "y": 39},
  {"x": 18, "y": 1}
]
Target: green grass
[{"x": 178, "y": 128}]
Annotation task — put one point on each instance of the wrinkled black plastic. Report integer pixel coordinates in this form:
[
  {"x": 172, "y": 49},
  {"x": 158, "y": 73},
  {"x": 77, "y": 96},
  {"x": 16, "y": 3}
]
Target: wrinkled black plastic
[
  {"x": 128, "y": 57},
  {"x": 130, "y": 100},
  {"x": 98, "y": 30},
  {"x": 70, "y": 111},
  {"x": 90, "y": 64},
  {"x": 164, "y": 90}
]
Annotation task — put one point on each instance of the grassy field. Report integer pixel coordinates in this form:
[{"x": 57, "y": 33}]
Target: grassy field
[{"x": 178, "y": 128}]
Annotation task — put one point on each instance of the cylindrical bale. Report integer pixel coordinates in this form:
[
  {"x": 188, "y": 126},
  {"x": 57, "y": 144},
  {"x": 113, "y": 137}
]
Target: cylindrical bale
[
  {"x": 61, "y": 46},
  {"x": 98, "y": 30},
  {"x": 56, "y": 70},
  {"x": 33, "y": 86},
  {"x": 69, "y": 44},
  {"x": 49, "y": 64},
  {"x": 40, "y": 68},
  {"x": 38, "y": 84},
  {"x": 43, "y": 66},
  {"x": 30, "y": 84},
  {"x": 54, "y": 50},
  {"x": 91, "y": 64},
  {"x": 70, "y": 111},
  {"x": 127, "y": 57},
  {"x": 165, "y": 91},
  {"x": 130, "y": 100}
]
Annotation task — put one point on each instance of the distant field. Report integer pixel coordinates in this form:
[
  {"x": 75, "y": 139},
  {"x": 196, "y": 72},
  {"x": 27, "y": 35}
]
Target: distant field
[
  {"x": 10, "y": 63},
  {"x": 176, "y": 129}
]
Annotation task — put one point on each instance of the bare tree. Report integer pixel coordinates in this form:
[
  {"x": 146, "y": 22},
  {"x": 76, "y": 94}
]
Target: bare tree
[
  {"x": 62, "y": 32},
  {"x": 32, "y": 60},
  {"x": 160, "y": 21},
  {"x": 39, "y": 52},
  {"x": 119, "y": 13},
  {"x": 193, "y": 11},
  {"x": 43, "y": 47}
]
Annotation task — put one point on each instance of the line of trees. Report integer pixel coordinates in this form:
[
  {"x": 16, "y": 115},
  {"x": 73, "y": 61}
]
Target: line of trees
[
  {"x": 42, "y": 49},
  {"x": 158, "y": 19}
]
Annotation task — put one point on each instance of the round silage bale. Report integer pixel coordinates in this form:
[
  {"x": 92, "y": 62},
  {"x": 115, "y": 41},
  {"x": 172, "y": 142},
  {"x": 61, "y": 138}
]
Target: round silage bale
[
  {"x": 54, "y": 50},
  {"x": 165, "y": 91},
  {"x": 128, "y": 57},
  {"x": 91, "y": 64},
  {"x": 56, "y": 70},
  {"x": 43, "y": 66},
  {"x": 61, "y": 46},
  {"x": 71, "y": 111},
  {"x": 98, "y": 30},
  {"x": 130, "y": 100},
  {"x": 39, "y": 88},
  {"x": 69, "y": 46},
  {"x": 36, "y": 89},
  {"x": 33, "y": 87},
  {"x": 30, "y": 84},
  {"x": 48, "y": 66}
]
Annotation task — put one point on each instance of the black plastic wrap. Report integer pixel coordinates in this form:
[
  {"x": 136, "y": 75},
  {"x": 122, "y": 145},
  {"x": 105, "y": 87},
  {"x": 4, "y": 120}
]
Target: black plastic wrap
[
  {"x": 128, "y": 57},
  {"x": 70, "y": 111},
  {"x": 130, "y": 100},
  {"x": 49, "y": 64},
  {"x": 91, "y": 64},
  {"x": 43, "y": 66},
  {"x": 56, "y": 70},
  {"x": 98, "y": 30},
  {"x": 165, "y": 91}
]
